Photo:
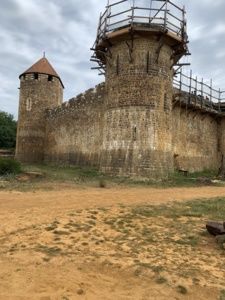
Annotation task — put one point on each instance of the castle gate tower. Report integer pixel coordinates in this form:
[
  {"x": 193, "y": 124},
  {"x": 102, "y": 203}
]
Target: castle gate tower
[
  {"x": 40, "y": 88},
  {"x": 138, "y": 44}
]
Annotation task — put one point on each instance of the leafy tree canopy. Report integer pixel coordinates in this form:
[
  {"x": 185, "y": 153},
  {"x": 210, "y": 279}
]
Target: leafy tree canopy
[{"x": 7, "y": 130}]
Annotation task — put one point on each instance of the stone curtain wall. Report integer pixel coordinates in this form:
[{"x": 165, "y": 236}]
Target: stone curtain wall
[
  {"x": 74, "y": 131},
  {"x": 77, "y": 131},
  {"x": 221, "y": 144},
  {"x": 196, "y": 141}
]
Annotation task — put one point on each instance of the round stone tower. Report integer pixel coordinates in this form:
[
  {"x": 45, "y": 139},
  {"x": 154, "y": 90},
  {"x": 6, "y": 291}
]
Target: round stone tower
[
  {"x": 40, "y": 88},
  {"x": 137, "y": 49}
]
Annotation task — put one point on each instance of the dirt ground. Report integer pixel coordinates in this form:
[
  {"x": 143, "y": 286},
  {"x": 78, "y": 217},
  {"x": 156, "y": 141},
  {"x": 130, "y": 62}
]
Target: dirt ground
[{"x": 84, "y": 243}]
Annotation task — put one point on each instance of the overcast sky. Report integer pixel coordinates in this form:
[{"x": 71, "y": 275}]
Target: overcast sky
[{"x": 66, "y": 29}]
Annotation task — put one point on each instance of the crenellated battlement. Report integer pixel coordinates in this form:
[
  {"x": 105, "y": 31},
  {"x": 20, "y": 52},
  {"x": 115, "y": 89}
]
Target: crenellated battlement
[{"x": 90, "y": 98}]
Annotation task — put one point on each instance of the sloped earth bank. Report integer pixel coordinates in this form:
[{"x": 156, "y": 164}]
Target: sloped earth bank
[{"x": 113, "y": 243}]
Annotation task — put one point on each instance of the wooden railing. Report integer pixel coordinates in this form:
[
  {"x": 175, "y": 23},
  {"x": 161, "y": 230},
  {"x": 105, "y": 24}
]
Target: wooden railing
[
  {"x": 162, "y": 14},
  {"x": 196, "y": 92}
]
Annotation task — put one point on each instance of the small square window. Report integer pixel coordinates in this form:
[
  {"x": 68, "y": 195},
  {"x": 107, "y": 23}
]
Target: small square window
[
  {"x": 36, "y": 76},
  {"x": 50, "y": 78}
]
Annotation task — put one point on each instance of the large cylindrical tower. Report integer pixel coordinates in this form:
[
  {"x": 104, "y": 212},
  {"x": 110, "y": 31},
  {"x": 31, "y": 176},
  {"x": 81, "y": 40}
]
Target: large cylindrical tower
[
  {"x": 137, "y": 48},
  {"x": 40, "y": 88}
]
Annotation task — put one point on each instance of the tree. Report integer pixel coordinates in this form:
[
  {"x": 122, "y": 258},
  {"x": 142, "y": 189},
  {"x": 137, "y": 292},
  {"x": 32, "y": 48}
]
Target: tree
[{"x": 7, "y": 130}]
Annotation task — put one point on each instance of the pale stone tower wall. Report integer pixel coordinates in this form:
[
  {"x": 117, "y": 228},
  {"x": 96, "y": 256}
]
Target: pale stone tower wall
[
  {"x": 37, "y": 93},
  {"x": 137, "y": 136}
]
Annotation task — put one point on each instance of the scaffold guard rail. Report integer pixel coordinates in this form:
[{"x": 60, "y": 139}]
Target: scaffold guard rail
[
  {"x": 161, "y": 13},
  {"x": 194, "y": 91}
]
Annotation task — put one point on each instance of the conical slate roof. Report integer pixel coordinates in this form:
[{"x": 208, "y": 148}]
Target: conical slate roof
[{"x": 42, "y": 66}]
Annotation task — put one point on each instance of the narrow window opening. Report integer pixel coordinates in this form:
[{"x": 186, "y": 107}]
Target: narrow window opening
[
  {"x": 50, "y": 78},
  {"x": 134, "y": 133},
  {"x": 117, "y": 64},
  {"x": 166, "y": 104},
  {"x": 28, "y": 105},
  {"x": 36, "y": 76},
  {"x": 147, "y": 65}
]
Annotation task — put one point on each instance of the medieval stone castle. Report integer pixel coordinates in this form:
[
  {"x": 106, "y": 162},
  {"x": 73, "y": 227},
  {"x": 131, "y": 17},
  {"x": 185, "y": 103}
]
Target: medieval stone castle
[{"x": 143, "y": 121}]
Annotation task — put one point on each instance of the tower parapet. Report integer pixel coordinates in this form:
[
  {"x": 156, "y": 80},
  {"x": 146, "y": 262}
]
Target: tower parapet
[
  {"x": 40, "y": 88},
  {"x": 136, "y": 48}
]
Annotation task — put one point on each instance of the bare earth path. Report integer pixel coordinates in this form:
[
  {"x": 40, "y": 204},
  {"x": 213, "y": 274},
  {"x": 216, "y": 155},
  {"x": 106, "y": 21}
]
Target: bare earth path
[
  {"x": 92, "y": 197},
  {"x": 25, "y": 273}
]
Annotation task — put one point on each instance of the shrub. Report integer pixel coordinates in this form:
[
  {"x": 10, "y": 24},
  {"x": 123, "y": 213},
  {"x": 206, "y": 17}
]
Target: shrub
[{"x": 9, "y": 166}]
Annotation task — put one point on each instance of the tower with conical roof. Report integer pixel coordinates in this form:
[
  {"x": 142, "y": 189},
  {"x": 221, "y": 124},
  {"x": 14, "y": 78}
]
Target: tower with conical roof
[{"x": 40, "y": 88}]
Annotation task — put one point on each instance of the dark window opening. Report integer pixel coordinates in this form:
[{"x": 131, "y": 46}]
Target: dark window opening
[
  {"x": 36, "y": 76},
  {"x": 166, "y": 103},
  {"x": 134, "y": 133},
  {"x": 50, "y": 78},
  {"x": 117, "y": 64}
]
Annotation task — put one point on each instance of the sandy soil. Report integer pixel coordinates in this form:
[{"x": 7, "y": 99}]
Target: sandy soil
[{"x": 64, "y": 244}]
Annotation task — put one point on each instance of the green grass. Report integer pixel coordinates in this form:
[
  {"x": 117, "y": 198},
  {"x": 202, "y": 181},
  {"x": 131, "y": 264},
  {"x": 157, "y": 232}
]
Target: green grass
[
  {"x": 90, "y": 176},
  {"x": 175, "y": 179},
  {"x": 222, "y": 295},
  {"x": 65, "y": 173},
  {"x": 49, "y": 251},
  {"x": 61, "y": 232},
  {"x": 161, "y": 280},
  {"x": 212, "y": 208}
]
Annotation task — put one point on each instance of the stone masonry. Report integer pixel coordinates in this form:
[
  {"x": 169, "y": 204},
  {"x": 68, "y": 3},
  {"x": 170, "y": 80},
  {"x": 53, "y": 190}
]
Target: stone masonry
[{"x": 36, "y": 95}]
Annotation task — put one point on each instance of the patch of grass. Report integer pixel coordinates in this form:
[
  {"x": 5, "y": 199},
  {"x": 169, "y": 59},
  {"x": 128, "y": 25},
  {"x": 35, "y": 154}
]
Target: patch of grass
[
  {"x": 50, "y": 251},
  {"x": 12, "y": 249},
  {"x": 221, "y": 241},
  {"x": 195, "y": 280},
  {"x": 71, "y": 214},
  {"x": 178, "y": 179},
  {"x": 222, "y": 295},
  {"x": 51, "y": 227},
  {"x": 84, "y": 244},
  {"x": 92, "y": 223},
  {"x": 110, "y": 221},
  {"x": 80, "y": 292},
  {"x": 182, "y": 289},
  {"x": 46, "y": 259},
  {"x": 157, "y": 269},
  {"x": 91, "y": 176},
  {"x": 144, "y": 265},
  {"x": 213, "y": 208},
  {"x": 189, "y": 240},
  {"x": 161, "y": 280},
  {"x": 61, "y": 232},
  {"x": 65, "y": 173}
]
